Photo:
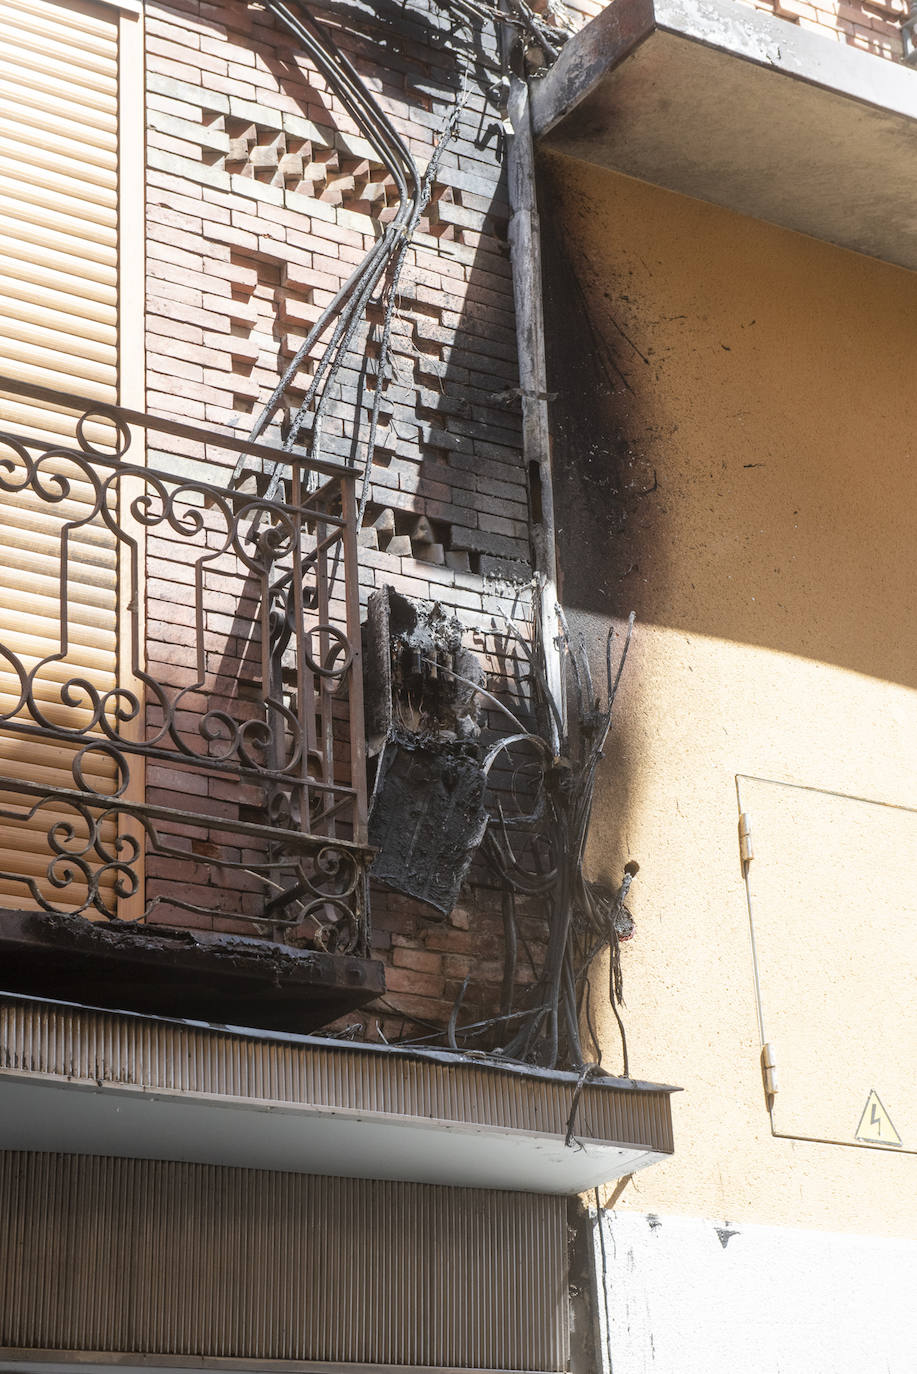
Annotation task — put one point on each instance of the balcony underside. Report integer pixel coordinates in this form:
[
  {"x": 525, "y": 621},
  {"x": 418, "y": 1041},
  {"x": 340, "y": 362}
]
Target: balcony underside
[
  {"x": 195, "y": 975},
  {"x": 729, "y": 105}
]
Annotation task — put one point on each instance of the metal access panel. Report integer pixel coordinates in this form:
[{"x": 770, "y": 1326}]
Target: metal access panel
[{"x": 832, "y": 899}]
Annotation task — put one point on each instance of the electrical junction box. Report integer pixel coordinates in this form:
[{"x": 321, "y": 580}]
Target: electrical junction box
[{"x": 832, "y": 899}]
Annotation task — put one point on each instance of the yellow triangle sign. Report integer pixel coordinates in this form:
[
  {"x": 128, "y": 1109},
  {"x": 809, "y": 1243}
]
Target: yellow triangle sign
[{"x": 876, "y": 1124}]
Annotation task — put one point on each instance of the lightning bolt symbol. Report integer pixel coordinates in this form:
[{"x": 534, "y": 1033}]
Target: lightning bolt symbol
[{"x": 875, "y": 1119}]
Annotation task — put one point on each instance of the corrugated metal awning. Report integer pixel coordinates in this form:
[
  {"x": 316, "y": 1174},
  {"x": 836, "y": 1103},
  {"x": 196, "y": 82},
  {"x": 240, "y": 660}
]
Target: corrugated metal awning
[
  {"x": 111, "y": 1083},
  {"x": 134, "y": 1262}
]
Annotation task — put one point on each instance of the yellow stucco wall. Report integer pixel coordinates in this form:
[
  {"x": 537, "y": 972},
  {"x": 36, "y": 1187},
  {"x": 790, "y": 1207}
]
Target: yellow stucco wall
[{"x": 760, "y": 379}]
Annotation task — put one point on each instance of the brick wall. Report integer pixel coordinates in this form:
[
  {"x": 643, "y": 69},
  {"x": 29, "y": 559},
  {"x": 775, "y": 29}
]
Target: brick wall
[
  {"x": 873, "y": 28},
  {"x": 261, "y": 198}
]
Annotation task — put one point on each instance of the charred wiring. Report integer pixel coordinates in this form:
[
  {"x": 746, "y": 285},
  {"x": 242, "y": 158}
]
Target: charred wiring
[
  {"x": 434, "y": 805},
  {"x": 342, "y": 327},
  {"x": 540, "y": 849}
]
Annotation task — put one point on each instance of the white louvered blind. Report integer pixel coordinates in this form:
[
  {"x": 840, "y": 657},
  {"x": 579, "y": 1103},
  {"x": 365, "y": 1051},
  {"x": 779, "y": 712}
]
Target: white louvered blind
[{"x": 59, "y": 329}]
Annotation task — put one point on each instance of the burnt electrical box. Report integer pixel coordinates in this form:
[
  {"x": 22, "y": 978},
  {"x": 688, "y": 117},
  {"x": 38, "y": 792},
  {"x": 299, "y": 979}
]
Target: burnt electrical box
[{"x": 427, "y": 813}]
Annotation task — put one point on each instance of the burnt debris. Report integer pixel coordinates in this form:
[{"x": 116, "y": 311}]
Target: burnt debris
[
  {"x": 157, "y": 970},
  {"x": 420, "y": 680},
  {"x": 437, "y": 801},
  {"x": 427, "y": 816}
]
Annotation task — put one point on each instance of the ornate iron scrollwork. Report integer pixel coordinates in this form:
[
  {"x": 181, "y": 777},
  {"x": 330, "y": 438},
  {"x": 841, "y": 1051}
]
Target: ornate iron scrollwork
[{"x": 240, "y": 699}]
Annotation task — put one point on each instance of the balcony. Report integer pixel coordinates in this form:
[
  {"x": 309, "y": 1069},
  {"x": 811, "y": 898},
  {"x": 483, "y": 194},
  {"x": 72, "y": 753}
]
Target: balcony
[
  {"x": 182, "y": 782},
  {"x": 738, "y": 107}
]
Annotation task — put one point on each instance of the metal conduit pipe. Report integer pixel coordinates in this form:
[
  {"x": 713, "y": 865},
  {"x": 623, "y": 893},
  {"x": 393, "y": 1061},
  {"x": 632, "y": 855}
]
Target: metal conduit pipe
[{"x": 525, "y": 257}]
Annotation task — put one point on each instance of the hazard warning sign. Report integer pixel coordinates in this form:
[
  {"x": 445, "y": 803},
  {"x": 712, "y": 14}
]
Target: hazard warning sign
[{"x": 876, "y": 1124}]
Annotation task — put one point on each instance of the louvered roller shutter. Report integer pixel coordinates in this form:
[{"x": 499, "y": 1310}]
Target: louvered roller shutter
[{"x": 58, "y": 328}]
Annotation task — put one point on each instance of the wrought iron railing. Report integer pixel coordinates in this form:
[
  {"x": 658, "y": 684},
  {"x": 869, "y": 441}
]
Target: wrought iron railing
[{"x": 208, "y": 767}]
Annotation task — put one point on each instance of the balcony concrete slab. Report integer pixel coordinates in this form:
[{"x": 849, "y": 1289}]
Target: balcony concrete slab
[
  {"x": 180, "y": 972},
  {"x": 732, "y": 106}
]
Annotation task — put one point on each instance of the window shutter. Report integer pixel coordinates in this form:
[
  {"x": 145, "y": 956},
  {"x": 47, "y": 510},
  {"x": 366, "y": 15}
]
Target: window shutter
[{"x": 59, "y": 105}]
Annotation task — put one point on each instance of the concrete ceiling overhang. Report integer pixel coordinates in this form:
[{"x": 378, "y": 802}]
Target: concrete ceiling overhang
[
  {"x": 729, "y": 105},
  {"x": 79, "y": 1080}
]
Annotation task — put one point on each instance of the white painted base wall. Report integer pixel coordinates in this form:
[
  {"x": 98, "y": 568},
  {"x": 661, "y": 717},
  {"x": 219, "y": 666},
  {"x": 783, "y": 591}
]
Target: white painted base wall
[{"x": 690, "y": 1296}]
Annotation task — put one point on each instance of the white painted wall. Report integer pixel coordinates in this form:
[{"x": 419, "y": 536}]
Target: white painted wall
[{"x": 690, "y": 1296}]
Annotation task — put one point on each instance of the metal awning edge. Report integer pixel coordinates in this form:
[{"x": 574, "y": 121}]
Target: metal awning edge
[
  {"x": 50, "y": 1361},
  {"x": 421, "y": 1054},
  {"x": 96, "y": 1082}
]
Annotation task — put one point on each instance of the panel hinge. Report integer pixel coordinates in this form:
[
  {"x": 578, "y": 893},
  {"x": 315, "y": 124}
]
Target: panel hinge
[
  {"x": 746, "y": 851},
  {"x": 769, "y": 1069}
]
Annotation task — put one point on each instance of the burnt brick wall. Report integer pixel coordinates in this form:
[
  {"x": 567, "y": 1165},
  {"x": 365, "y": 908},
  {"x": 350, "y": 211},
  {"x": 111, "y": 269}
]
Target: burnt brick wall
[{"x": 261, "y": 198}]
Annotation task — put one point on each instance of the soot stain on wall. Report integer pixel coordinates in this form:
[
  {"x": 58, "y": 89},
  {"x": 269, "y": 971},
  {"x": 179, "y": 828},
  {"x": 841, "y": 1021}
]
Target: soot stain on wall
[{"x": 604, "y": 437}]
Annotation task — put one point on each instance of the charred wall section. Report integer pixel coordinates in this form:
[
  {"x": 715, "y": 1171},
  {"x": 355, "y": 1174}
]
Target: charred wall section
[
  {"x": 603, "y": 427},
  {"x": 262, "y": 197}
]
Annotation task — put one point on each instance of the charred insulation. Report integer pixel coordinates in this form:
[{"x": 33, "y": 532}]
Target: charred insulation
[{"x": 427, "y": 815}]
